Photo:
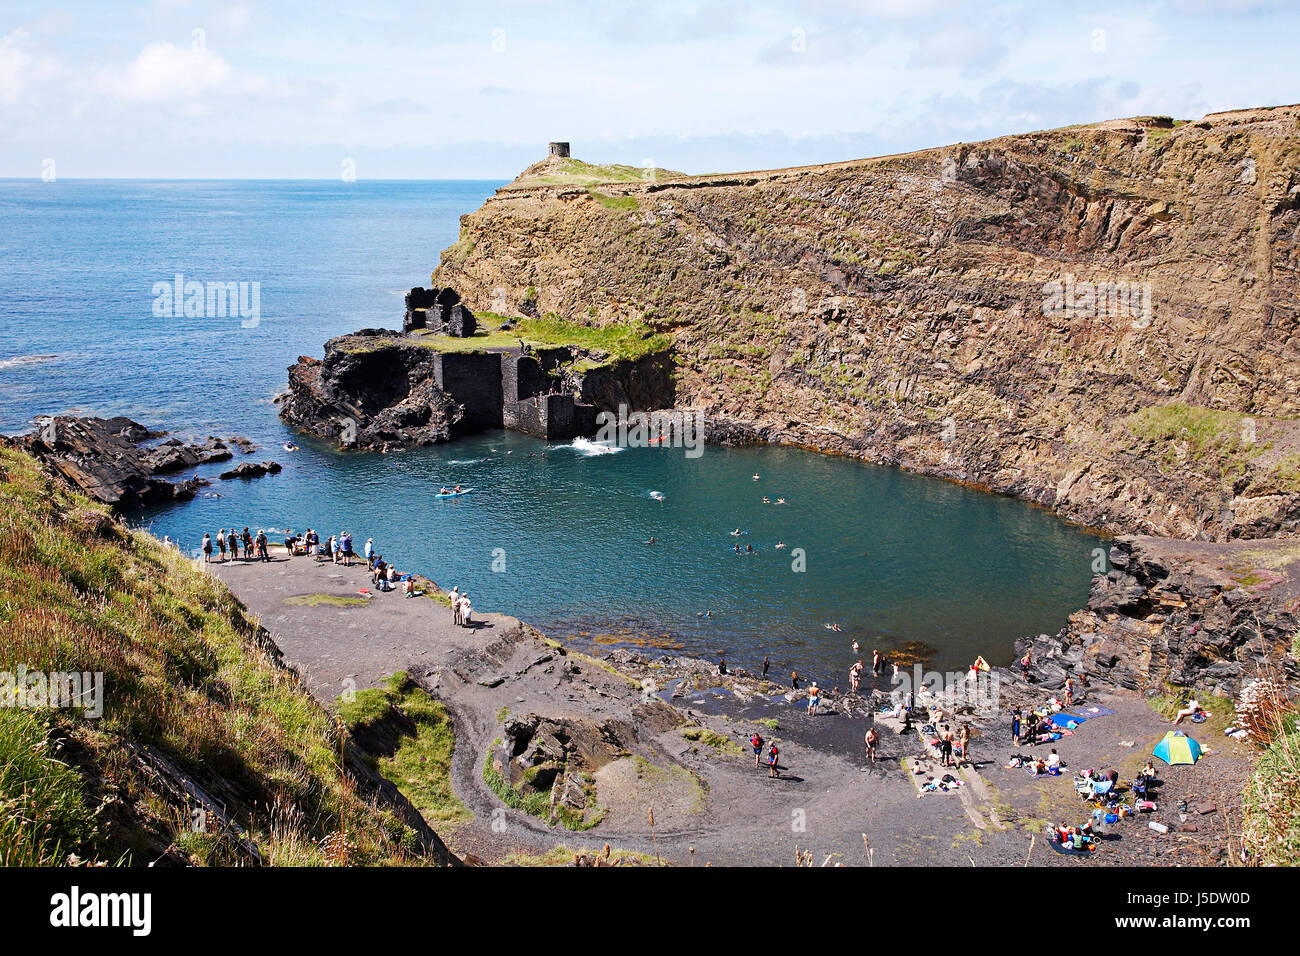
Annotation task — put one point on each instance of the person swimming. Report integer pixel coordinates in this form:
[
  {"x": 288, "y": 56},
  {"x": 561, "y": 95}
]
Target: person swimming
[
  {"x": 780, "y": 545},
  {"x": 736, "y": 533},
  {"x": 756, "y": 477},
  {"x": 653, "y": 540},
  {"x": 749, "y": 549}
]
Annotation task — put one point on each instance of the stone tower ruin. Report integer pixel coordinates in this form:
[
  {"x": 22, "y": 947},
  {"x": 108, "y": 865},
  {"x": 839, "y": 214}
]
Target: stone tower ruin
[{"x": 559, "y": 150}]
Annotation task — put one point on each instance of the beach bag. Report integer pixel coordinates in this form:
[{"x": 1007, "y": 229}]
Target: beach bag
[{"x": 1112, "y": 818}]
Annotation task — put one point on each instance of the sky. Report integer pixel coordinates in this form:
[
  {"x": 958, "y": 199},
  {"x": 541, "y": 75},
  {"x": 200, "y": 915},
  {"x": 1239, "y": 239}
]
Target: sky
[{"x": 181, "y": 89}]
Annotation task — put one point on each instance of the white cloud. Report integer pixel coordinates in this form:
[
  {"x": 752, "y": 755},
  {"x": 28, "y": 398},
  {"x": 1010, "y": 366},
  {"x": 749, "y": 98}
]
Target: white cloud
[
  {"x": 164, "y": 72},
  {"x": 15, "y": 64}
]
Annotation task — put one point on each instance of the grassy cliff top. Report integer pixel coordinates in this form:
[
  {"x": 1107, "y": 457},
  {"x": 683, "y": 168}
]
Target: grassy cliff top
[
  {"x": 574, "y": 172},
  {"x": 627, "y": 341},
  {"x": 192, "y": 692}
]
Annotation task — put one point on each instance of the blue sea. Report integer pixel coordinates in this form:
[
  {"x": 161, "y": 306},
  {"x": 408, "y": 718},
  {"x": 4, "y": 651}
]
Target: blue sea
[{"x": 557, "y": 535}]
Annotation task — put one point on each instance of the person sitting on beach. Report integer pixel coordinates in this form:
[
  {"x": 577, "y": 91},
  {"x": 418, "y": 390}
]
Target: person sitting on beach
[
  {"x": 722, "y": 665},
  {"x": 1191, "y": 710},
  {"x": 1053, "y": 761},
  {"x": 408, "y": 586}
]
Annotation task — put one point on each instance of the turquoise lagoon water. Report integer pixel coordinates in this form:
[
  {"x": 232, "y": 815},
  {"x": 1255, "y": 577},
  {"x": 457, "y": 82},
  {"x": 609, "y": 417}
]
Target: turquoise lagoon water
[{"x": 555, "y": 535}]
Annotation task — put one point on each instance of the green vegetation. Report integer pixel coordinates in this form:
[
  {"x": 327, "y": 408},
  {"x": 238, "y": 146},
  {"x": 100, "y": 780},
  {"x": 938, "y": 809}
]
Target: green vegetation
[
  {"x": 574, "y": 172},
  {"x": 1271, "y": 803},
  {"x": 1211, "y": 436},
  {"x": 723, "y": 745},
  {"x": 563, "y": 855},
  {"x": 187, "y": 680},
  {"x": 616, "y": 203},
  {"x": 538, "y": 804},
  {"x": 420, "y": 764},
  {"x": 626, "y": 340},
  {"x": 771, "y": 723},
  {"x": 326, "y": 600}
]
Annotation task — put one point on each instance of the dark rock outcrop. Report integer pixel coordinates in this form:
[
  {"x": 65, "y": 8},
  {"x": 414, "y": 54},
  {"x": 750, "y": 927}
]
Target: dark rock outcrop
[
  {"x": 374, "y": 390},
  {"x": 1193, "y": 614},
  {"x": 116, "y": 460},
  {"x": 252, "y": 469}
]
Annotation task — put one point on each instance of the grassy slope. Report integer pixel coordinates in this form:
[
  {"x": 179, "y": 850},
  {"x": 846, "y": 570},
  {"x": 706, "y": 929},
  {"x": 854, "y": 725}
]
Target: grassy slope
[
  {"x": 186, "y": 676},
  {"x": 420, "y": 760},
  {"x": 628, "y": 341}
]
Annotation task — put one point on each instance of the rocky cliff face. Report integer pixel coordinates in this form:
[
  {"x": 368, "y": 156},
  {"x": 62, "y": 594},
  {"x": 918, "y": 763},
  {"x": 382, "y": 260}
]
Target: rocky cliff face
[
  {"x": 1099, "y": 319},
  {"x": 1190, "y": 613},
  {"x": 373, "y": 390}
]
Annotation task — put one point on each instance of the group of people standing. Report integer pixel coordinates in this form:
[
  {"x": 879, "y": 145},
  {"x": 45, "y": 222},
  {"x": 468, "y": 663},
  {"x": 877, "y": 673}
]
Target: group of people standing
[{"x": 255, "y": 546}]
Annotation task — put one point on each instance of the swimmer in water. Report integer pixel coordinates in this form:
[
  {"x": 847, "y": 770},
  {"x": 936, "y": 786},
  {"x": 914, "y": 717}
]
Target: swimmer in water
[
  {"x": 749, "y": 549},
  {"x": 653, "y": 540},
  {"x": 780, "y": 545},
  {"x": 780, "y": 501},
  {"x": 756, "y": 477},
  {"x": 737, "y": 548},
  {"x": 767, "y": 500},
  {"x": 736, "y": 533}
]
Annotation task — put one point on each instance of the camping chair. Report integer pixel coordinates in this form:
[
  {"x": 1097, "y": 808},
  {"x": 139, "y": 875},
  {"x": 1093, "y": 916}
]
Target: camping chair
[
  {"x": 1083, "y": 786},
  {"x": 1101, "y": 790}
]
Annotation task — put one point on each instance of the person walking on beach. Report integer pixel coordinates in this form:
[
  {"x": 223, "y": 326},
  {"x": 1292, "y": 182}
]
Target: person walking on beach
[
  {"x": 855, "y": 676},
  {"x": 1069, "y": 692},
  {"x": 454, "y": 597},
  {"x": 872, "y": 739},
  {"x": 221, "y": 543},
  {"x": 466, "y": 611},
  {"x": 773, "y": 756},
  {"x": 263, "y": 553},
  {"x": 756, "y": 741},
  {"x": 794, "y": 679},
  {"x": 876, "y": 663},
  {"x": 965, "y": 746},
  {"x": 766, "y": 665},
  {"x": 370, "y": 554},
  {"x": 814, "y": 699},
  {"x": 1024, "y": 665},
  {"x": 1015, "y": 724},
  {"x": 207, "y": 548},
  {"x": 248, "y": 543},
  {"x": 346, "y": 543}
]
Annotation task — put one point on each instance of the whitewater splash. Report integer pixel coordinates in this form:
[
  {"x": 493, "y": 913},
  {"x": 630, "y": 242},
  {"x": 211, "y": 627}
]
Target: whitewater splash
[
  {"x": 466, "y": 461},
  {"x": 25, "y": 360},
  {"x": 588, "y": 448},
  {"x": 657, "y": 495}
]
